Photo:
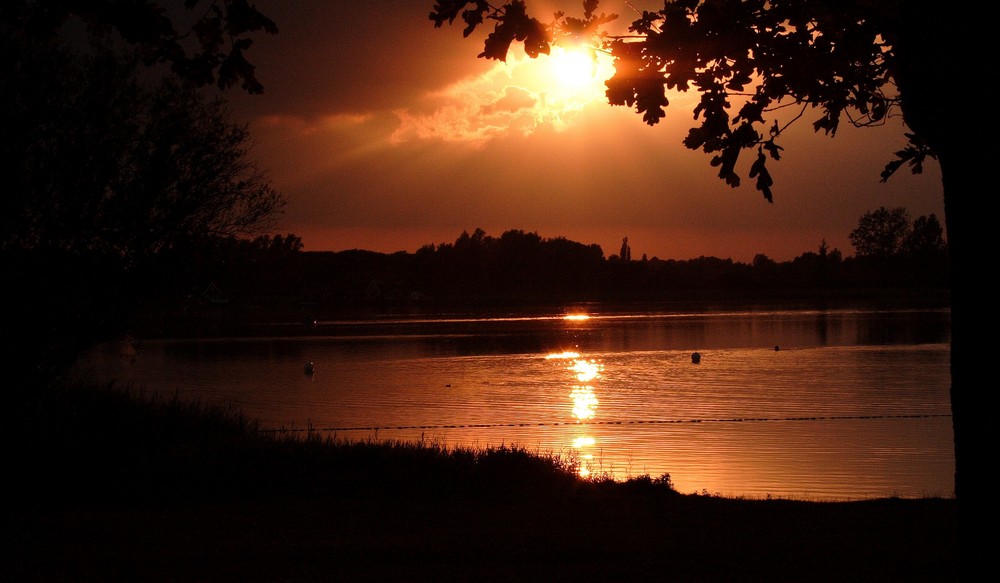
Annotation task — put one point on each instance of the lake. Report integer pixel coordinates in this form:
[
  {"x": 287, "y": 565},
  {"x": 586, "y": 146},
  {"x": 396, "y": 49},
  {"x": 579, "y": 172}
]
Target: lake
[{"x": 853, "y": 404}]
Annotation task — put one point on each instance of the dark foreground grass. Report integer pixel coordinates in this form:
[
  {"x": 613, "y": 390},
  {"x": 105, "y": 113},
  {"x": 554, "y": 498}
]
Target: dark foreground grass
[{"x": 108, "y": 485}]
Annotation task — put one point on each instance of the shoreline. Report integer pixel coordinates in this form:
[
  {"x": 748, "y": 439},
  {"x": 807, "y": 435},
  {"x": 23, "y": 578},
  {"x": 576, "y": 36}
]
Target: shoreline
[{"x": 200, "y": 494}]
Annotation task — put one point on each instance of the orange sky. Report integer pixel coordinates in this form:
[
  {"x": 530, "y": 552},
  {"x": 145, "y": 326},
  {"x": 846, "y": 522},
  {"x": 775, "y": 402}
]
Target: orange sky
[{"x": 388, "y": 134}]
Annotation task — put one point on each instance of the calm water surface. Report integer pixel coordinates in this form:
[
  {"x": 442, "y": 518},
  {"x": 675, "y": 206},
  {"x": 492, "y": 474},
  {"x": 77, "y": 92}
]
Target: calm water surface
[{"x": 854, "y": 404}]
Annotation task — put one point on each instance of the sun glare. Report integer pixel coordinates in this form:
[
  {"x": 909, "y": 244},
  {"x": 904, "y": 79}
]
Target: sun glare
[
  {"x": 577, "y": 72},
  {"x": 574, "y": 68}
]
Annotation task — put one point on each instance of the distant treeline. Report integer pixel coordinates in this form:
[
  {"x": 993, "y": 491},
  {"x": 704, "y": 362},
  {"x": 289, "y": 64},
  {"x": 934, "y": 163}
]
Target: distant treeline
[{"x": 520, "y": 268}]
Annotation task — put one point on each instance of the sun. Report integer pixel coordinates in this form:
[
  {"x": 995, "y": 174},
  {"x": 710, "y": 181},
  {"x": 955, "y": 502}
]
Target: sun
[
  {"x": 575, "y": 71},
  {"x": 573, "y": 68}
]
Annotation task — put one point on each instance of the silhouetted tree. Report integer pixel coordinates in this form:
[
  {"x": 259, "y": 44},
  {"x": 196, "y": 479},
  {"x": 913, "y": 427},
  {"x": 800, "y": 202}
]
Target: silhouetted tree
[
  {"x": 817, "y": 269},
  {"x": 106, "y": 166},
  {"x": 924, "y": 252},
  {"x": 626, "y": 251},
  {"x": 890, "y": 250},
  {"x": 763, "y": 262},
  {"x": 832, "y": 256},
  {"x": 925, "y": 238},
  {"x": 881, "y": 233},
  {"x": 201, "y": 41},
  {"x": 857, "y": 59}
]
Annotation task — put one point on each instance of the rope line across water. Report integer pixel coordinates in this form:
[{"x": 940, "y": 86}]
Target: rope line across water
[{"x": 635, "y": 422}]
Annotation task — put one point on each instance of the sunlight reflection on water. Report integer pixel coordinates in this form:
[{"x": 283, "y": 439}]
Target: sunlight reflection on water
[{"x": 854, "y": 405}]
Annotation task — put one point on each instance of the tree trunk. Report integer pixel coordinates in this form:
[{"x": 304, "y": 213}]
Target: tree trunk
[
  {"x": 940, "y": 73},
  {"x": 972, "y": 244}
]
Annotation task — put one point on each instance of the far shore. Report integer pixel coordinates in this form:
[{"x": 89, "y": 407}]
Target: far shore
[{"x": 238, "y": 318}]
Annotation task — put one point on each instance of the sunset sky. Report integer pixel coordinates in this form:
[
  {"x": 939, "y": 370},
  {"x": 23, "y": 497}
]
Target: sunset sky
[{"x": 387, "y": 134}]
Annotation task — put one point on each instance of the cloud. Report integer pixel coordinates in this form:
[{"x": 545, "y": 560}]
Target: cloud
[
  {"x": 513, "y": 100},
  {"x": 516, "y": 97}
]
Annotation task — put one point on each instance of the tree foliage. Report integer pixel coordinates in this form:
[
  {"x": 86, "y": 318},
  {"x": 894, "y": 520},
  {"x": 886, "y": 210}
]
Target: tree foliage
[
  {"x": 99, "y": 163},
  {"x": 926, "y": 238},
  {"x": 515, "y": 264},
  {"x": 884, "y": 233},
  {"x": 880, "y": 233},
  {"x": 109, "y": 159},
  {"x": 210, "y": 47}
]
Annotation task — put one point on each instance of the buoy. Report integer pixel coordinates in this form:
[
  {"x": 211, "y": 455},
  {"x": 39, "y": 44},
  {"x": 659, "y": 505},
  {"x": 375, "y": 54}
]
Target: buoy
[
  {"x": 310, "y": 368},
  {"x": 695, "y": 358},
  {"x": 776, "y": 348}
]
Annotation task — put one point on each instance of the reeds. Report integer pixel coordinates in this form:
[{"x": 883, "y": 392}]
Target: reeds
[{"x": 109, "y": 444}]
